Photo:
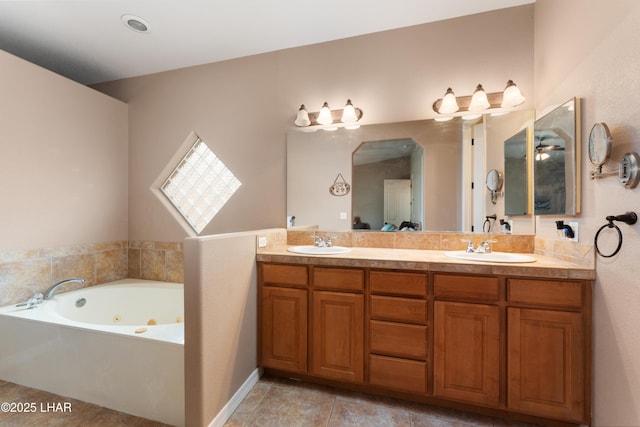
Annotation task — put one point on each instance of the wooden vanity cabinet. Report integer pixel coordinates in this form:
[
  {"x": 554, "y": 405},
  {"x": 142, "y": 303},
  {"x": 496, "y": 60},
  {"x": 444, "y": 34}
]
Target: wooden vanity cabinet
[
  {"x": 549, "y": 348},
  {"x": 283, "y": 317},
  {"x": 516, "y": 345},
  {"x": 467, "y": 339},
  {"x": 398, "y": 331},
  {"x": 337, "y": 326}
]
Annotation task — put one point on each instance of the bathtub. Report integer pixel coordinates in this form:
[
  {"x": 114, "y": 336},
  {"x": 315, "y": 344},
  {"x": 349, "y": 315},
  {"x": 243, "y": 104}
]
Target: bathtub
[{"x": 118, "y": 345}]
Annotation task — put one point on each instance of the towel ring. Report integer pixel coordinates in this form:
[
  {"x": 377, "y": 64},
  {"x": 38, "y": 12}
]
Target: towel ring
[{"x": 628, "y": 218}]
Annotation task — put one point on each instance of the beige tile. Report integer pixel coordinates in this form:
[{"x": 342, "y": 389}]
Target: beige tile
[
  {"x": 152, "y": 266},
  {"x": 251, "y": 402},
  {"x": 283, "y": 406},
  {"x": 19, "y": 281},
  {"x": 347, "y": 413},
  {"x": 111, "y": 265},
  {"x": 134, "y": 263},
  {"x": 82, "y": 266},
  {"x": 174, "y": 266}
]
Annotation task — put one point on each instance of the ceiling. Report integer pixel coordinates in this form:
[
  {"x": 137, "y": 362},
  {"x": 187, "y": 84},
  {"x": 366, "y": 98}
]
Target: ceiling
[{"x": 85, "y": 40}]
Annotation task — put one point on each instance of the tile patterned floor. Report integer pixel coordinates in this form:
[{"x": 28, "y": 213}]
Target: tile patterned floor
[
  {"x": 47, "y": 409},
  {"x": 275, "y": 402}
]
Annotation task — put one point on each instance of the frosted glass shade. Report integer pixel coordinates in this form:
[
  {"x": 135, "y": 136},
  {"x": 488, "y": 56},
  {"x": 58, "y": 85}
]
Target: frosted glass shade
[
  {"x": 302, "y": 119},
  {"x": 449, "y": 103},
  {"x": 324, "y": 117},
  {"x": 479, "y": 101},
  {"x": 511, "y": 96}
]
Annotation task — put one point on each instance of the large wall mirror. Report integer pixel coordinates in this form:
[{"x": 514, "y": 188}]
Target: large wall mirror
[
  {"x": 556, "y": 161},
  {"x": 428, "y": 154}
]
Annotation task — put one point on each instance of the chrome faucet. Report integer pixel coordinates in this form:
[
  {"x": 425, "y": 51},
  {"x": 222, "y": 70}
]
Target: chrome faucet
[
  {"x": 469, "y": 243},
  {"x": 319, "y": 242},
  {"x": 54, "y": 288},
  {"x": 484, "y": 247}
]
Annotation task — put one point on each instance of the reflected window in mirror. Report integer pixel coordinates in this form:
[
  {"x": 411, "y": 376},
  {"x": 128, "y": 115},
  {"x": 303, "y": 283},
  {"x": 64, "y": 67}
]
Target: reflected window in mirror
[{"x": 556, "y": 168}]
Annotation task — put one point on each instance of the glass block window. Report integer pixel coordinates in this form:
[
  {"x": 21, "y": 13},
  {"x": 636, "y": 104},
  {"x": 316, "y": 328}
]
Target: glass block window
[{"x": 200, "y": 186}]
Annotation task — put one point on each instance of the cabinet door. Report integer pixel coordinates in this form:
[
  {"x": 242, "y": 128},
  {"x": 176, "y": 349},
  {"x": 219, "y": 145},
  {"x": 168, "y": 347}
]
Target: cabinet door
[
  {"x": 284, "y": 329},
  {"x": 467, "y": 352},
  {"x": 546, "y": 363},
  {"x": 337, "y": 336}
]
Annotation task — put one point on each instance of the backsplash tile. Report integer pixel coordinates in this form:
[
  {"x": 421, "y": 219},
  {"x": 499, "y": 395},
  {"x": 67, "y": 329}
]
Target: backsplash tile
[
  {"x": 415, "y": 240},
  {"x": 24, "y": 272}
]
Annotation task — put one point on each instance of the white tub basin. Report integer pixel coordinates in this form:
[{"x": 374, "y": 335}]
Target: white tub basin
[
  {"x": 505, "y": 257},
  {"x": 315, "y": 250}
]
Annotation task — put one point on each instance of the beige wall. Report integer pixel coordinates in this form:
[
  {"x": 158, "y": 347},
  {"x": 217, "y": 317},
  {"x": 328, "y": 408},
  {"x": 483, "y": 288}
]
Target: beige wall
[
  {"x": 591, "y": 50},
  {"x": 220, "y": 321},
  {"x": 243, "y": 108},
  {"x": 63, "y": 167}
]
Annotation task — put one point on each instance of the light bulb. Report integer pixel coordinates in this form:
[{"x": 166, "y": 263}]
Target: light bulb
[
  {"x": 479, "y": 101},
  {"x": 324, "y": 117},
  {"x": 511, "y": 97},
  {"x": 349, "y": 115},
  {"x": 449, "y": 103},
  {"x": 302, "y": 119}
]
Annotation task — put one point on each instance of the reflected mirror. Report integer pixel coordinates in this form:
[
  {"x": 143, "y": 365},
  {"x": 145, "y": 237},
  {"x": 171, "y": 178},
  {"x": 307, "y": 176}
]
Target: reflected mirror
[
  {"x": 556, "y": 168},
  {"x": 517, "y": 174}
]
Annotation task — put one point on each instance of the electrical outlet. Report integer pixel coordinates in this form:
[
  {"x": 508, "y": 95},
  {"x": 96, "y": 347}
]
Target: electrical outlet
[
  {"x": 574, "y": 227},
  {"x": 262, "y": 242},
  {"x": 343, "y": 215}
]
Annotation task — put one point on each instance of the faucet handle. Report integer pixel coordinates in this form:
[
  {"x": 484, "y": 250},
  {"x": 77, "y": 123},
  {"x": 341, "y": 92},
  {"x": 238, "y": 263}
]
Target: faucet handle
[
  {"x": 330, "y": 240},
  {"x": 469, "y": 245},
  {"x": 484, "y": 247}
]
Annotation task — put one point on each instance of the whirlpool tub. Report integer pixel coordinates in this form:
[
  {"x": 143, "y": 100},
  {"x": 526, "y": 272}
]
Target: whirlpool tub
[{"x": 118, "y": 345}]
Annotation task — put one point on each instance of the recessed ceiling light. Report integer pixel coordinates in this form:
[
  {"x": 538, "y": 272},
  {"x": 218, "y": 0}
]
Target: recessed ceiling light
[{"x": 135, "y": 23}]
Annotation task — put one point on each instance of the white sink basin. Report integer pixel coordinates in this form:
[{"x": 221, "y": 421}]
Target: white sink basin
[
  {"x": 315, "y": 250},
  {"x": 490, "y": 257}
]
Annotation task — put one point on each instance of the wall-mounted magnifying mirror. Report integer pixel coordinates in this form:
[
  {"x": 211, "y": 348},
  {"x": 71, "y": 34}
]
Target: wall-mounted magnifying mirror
[
  {"x": 599, "y": 145},
  {"x": 494, "y": 184},
  {"x": 556, "y": 165}
]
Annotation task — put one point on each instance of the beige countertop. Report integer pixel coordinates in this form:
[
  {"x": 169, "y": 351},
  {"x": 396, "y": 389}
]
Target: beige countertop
[{"x": 430, "y": 260}]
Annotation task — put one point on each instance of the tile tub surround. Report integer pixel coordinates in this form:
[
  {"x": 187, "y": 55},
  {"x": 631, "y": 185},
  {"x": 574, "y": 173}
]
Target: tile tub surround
[{"x": 24, "y": 272}]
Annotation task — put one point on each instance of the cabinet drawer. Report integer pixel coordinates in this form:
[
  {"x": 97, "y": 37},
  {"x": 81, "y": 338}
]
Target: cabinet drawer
[
  {"x": 397, "y": 339},
  {"x": 552, "y": 293},
  {"x": 476, "y": 288},
  {"x": 398, "y": 283},
  {"x": 338, "y": 278},
  {"x": 398, "y": 374},
  {"x": 281, "y": 274},
  {"x": 398, "y": 309}
]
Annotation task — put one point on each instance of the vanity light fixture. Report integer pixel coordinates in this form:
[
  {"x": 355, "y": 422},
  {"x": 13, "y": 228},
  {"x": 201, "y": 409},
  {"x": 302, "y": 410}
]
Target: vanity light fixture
[
  {"x": 328, "y": 119},
  {"x": 472, "y": 107}
]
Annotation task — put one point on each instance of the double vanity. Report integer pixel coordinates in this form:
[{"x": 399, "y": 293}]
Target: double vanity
[{"x": 510, "y": 338}]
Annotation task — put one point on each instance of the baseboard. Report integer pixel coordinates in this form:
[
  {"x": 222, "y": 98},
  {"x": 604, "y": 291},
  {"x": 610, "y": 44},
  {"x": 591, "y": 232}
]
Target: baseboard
[{"x": 236, "y": 399}]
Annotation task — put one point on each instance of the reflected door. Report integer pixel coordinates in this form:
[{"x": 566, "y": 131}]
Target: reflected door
[{"x": 397, "y": 201}]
